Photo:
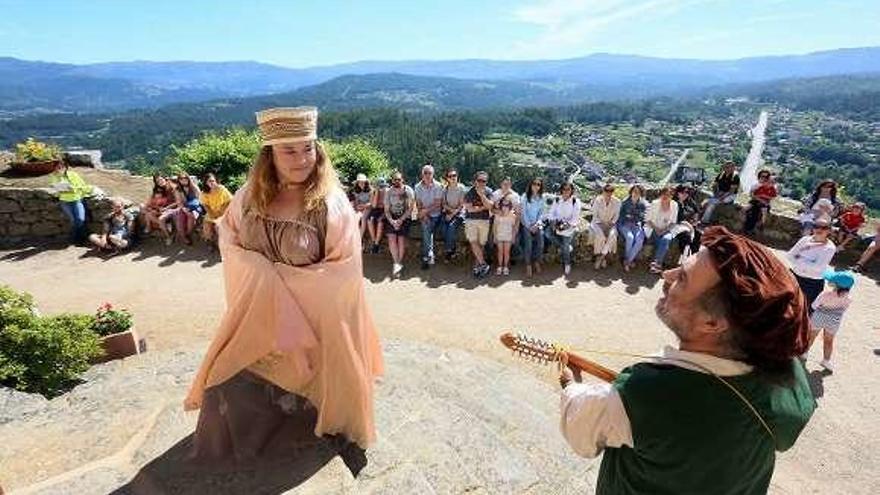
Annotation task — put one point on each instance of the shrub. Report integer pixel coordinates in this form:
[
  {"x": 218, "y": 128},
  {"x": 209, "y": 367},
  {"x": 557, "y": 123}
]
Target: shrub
[
  {"x": 109, "y": 321},
  {"x": 48, "y": 354},
  {"x": 357, "y": 156},
  {"x": 227, "y": 154},
  {"x": 36, "y": 151}
]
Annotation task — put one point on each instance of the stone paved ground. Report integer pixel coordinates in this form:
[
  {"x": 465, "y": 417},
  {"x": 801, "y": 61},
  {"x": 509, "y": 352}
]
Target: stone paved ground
[{"x": 456, "y": 413}]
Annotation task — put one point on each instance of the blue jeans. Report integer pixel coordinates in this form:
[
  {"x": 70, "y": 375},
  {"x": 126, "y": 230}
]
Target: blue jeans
[
  {"x": 633, "y": 240},
  {"x": 429, "y": 225},
  {"x": 563, "y": 243},
  {"x": 713, "y": 202},
  {"x": 450, "y": 232},
  {"x": 76, "y": 212},
  {"x": 533, "y": 244},
  {"x": 661, "y": 246}
]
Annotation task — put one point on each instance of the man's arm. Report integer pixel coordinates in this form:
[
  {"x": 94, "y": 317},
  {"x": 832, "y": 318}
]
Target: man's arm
[{"x": 593, "y": 417}]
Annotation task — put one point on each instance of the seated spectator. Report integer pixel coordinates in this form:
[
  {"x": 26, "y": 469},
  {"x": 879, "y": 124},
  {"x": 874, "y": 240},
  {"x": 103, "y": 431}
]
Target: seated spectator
[
  {"x": 631, "y": 225},
  {"x": 564, "y": 216},
  {"x": 848, "y": 224},
  {"x": 453, "y": 212},
  {"x": 118, "y": 225},
  {"x": 759, "y": 204},
  {"x": 360, "y": 196},
  {"x": 870, "y": 251},
  {"x": 215, "y": 198},
  {"x": 169, "y": 213},
  {"x": 724, "y": 190},
  {"x": 429, "y": 205},
  {"x": 191, "y": 207},
  {"x": 376, "y": 217},
  {"x": 603, "y": 231},
  {"x": 400, "y": 204},
  {"x": 478, "y": 208},
  {"x": 686, "y": 231},
  {"x": 532, "y": 226},
  {"x": 152, "y": 209},
  {"x": 822, "y": 202},
  {"x": 661, "y": 217}
]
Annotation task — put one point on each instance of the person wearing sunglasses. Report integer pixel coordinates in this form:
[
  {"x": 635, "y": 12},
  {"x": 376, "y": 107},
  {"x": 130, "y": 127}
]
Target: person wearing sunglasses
[
  {"x": 532, "y": 225},
  {"x": 399, "y": 205},
  {"x": 565, "y": 216},
  {"x": 762, "y": 194},
  {"x": 478, "y": 206},
  {"x": 810, "y": 258},
  {"x": 429, "y": 202},
  {"x": 453, "y": 212}
]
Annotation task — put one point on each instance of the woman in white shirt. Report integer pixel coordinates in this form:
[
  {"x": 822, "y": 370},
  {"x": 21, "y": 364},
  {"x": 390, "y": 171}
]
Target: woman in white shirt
[
  {"x": 662, "y": 216},
  {"x": 606, "y": 212},
  {"x": 564, "y": 217},
  {"x": 810, "y": 257}
]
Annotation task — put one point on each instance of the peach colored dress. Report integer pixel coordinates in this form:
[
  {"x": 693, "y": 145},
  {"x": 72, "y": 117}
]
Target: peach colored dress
[{"x": 266, "y": 408}]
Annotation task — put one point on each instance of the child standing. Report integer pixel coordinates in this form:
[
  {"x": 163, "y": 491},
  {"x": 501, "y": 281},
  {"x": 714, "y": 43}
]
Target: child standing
[
  {"x": 505, "y": 222},
  {"x": 828, "y": 310}
]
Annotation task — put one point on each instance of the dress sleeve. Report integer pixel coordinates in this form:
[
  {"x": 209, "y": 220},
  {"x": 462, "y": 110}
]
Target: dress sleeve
[
  {"x": 593, "y": 417},
  {"x": 229, "y": 224}
]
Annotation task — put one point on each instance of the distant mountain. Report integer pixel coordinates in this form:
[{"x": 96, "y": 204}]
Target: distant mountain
[{"x": 33, "y": 87}]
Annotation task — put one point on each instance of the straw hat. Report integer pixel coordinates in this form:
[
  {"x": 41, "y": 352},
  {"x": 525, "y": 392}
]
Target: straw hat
[{"x": 288, "y": 125}]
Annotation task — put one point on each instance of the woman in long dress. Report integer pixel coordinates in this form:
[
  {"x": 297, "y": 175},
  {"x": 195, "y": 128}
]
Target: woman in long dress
[{"x": 294, "y": 360}]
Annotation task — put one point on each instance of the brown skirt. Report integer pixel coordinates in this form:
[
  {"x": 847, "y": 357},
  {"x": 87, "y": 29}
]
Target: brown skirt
[{"x": 247, "y": 419}]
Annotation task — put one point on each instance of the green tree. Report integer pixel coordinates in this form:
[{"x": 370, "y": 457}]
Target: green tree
[
  {"x": 357, "y": 156},
  {"x": 227, "y": 154}
]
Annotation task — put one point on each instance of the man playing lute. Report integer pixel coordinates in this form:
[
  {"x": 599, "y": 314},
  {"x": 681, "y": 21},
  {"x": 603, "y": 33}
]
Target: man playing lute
[{"x": 710, "y": 415}]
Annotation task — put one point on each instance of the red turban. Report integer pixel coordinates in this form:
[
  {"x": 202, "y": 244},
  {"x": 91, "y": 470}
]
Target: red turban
[{"x": 767, "y": 305}]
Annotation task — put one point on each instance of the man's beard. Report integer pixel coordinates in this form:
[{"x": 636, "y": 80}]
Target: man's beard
[{"x": 679, "y": 328}]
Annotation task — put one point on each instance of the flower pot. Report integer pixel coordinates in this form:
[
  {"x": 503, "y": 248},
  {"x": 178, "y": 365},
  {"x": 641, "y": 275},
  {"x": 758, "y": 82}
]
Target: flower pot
[
  {"x": 35, "y": 168},
  {"x": 121, "y": 345}
]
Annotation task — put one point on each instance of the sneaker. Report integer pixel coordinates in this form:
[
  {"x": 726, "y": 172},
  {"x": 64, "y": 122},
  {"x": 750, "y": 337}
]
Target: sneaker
[
  {"x": 655, "y": 267},
  {"x": 168, "y": 241},
  {"x": 499, "y": 271},
  {"x": 396, "y": 268},
  {"x": 505, "y": 271},
  {"x": 567, "y": 269},
  {"x": 604, "y": 262},
  {"x": 431, "y": 261},
  {"x": 857, "y": 268},
  {"x": 485, "y": 269},
  {"x": 626, "y": 266},
  {"x": 826, "y": 363},
  {"x": 528, "y": 270}
]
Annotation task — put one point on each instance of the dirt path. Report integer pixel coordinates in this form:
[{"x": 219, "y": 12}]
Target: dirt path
[{"x": 177, "y": 299}]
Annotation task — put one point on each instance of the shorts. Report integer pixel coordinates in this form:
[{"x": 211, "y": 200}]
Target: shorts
[
  {"x": 827, "y": 320},
  {"x": 477, "y": 231},
  {"x": 376, "y": 214},
  {"x": 402, "y": 231}
]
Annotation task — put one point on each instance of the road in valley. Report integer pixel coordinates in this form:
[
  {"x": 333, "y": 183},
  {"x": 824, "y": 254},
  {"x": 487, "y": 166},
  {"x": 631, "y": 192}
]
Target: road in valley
[
  {"x": 748, "y": 176},
  {"x": 674, "y": 167}
]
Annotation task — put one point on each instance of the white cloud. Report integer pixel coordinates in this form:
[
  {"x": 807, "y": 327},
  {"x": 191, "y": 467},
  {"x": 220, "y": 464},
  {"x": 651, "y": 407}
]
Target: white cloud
[{"x": 571, "y": 23}]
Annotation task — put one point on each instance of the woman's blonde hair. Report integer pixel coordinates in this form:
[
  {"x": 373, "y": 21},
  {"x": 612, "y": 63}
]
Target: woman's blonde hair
[{"x": 263, "y": 183}]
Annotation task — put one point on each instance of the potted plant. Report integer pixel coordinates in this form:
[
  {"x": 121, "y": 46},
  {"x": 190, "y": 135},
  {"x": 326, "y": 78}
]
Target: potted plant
[
  {"x": 118, "y": 337},
  {"x": 36, "y": 157}
]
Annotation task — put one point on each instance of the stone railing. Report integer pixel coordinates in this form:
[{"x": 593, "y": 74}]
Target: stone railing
[{"x": 33, "y": 216}]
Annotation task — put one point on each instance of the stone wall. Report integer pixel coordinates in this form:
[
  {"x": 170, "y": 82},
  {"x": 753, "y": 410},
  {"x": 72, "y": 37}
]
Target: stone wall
[{"x": 33, "y": 216}]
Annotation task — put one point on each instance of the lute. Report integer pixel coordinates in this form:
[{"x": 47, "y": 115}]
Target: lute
[{"x": 546, "y": 352}]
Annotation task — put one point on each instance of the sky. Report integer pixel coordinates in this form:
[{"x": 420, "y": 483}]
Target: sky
[{"x": 303, "y": 33}]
